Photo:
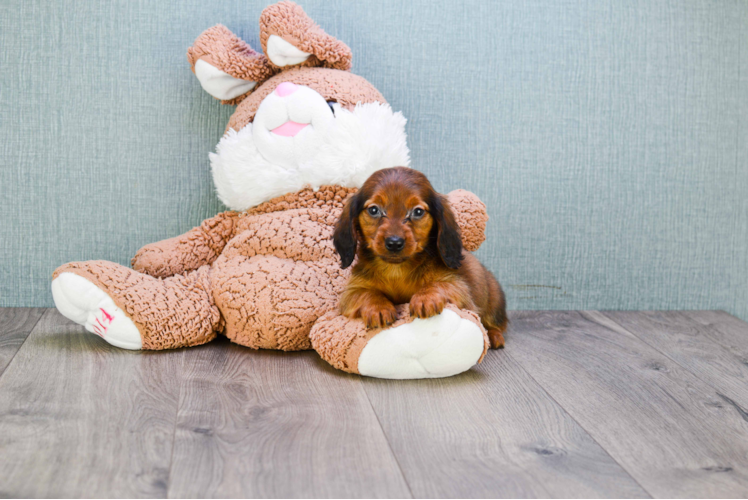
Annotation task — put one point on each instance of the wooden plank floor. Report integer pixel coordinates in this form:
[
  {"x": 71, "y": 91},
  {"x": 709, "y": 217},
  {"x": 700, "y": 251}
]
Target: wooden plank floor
[{"x": 579, "y": 404}]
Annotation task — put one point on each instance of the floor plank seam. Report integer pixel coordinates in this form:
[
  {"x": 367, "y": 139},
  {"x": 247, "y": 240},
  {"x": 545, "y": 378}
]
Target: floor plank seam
[
  {"x": 516, "y": 362},
  {"x": 387, "y": 439},
  {"x": 716, "y": 390},
  {"x": 743, "y": 414},
  {"x": 674, "y": 427},
  {"x": 31, "y": 330},
  {"x": 174, "y": 433}
]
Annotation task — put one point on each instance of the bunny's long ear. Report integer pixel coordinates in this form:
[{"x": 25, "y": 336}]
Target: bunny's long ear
[
  {"x": 226, "y": 66},
  {"x": 290, "y": 38}
]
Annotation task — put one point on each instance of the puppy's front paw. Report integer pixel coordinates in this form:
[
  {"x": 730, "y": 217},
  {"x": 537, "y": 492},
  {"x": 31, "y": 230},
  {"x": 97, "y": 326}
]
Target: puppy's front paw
[
  {"x": 427, "y": 305},
  {"x": 378, "y": 315}
]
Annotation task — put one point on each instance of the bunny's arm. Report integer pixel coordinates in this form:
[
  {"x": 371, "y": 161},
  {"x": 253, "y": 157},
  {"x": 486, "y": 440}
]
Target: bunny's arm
[
  {"x": 197, "y": 247},
  {"x": 471, "y": 216}
]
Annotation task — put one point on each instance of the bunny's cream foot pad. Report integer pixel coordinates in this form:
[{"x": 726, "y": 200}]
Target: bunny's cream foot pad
[
  {"x": 441, "y": 346},
  {"x": 86, "y": 304}
]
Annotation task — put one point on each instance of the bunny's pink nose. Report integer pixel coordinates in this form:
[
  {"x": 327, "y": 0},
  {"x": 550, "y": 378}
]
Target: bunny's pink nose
[{"x": 285, "y": 88}]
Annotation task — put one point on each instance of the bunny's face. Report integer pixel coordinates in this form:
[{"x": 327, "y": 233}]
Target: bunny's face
[
  {"x": 302, "y": 118},
  {"x": 291, "y": 113},
  {"x": 290, "y": 124}
]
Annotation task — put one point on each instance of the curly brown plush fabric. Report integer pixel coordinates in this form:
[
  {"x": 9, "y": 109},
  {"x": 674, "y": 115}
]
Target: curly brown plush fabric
[
  {"x": 289, "y": 21},
  {"x": 471, "y": 216},
  {"x": 344, "y": 88},
  {"x": 202, "y": 245},
  {"x": 284, "y": 267},
  {"x": 263, "y": 277},
  {"x": 332, "y": 196},
  {"x": 219, "y": 47},
  {"x": 222, "y": 49},
  {"x": 197, "y": 247},
  {"x": 269, "y": 276},
  {"x": 175, "y": 312},
  {"x": 339, "y": 340},
  {"x": 281, "y": 299}
]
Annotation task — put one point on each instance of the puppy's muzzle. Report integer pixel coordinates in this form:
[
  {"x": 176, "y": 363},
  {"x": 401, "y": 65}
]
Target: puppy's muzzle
[{"x": 394, "y": 244}]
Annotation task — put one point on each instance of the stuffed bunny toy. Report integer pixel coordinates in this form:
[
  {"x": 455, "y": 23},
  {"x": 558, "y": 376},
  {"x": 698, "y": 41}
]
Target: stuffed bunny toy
[{"x": 305, "y": 134}]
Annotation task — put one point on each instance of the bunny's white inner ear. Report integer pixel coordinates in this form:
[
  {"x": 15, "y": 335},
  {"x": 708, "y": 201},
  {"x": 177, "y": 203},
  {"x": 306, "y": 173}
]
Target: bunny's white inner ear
[
  {"x": 283, "y": 53},
  {"x": 219, "y": 84}
]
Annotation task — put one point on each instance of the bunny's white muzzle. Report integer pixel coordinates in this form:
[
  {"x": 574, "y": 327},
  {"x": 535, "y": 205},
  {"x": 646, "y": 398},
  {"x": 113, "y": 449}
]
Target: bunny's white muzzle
[
  {"x": 290, "y": 123},
  {"x": 297, "y": 140}
]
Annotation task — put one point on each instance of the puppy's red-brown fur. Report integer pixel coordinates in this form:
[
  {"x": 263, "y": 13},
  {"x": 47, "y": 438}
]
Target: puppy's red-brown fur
[{"x": 409, "y": 251}]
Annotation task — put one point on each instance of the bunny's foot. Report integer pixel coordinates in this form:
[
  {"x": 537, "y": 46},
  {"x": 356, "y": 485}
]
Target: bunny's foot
[
  {"x": 132, "y": 310},
  {"x": 86, "y": 304},
  {"x": 441, "y": 346}
]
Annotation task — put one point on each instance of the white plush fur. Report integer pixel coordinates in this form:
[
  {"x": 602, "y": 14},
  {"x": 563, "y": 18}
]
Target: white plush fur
[
  {"x": 440, "y": 346},
  {"x": 219, "y": 84},
  {"x": 283, "y": 53},
  {"x": 352, "y": 147},
  {"x": 304, "y": 106},
  {"x": 83, "y": 302}
]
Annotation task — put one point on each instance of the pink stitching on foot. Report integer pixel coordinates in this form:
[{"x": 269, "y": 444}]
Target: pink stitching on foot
[
  {"x": 96, "y": 330},
  {"x": 109, "y": 317},
  {"x": 102, "y": 326}
]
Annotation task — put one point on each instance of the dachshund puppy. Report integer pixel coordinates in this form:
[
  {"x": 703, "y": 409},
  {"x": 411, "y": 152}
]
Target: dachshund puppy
[{"x": 409, "y": 251}]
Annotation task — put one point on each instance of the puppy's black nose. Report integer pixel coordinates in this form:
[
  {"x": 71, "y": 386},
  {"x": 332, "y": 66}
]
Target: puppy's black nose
[{"x": 394, "y": 243}]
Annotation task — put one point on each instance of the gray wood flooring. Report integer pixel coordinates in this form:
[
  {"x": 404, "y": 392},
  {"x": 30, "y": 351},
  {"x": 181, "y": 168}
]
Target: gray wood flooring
[{"x": 579, "y": 404}]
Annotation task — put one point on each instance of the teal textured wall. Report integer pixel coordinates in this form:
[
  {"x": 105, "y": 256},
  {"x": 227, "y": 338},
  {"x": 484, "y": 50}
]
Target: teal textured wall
[{"x": 609, "y": 139}]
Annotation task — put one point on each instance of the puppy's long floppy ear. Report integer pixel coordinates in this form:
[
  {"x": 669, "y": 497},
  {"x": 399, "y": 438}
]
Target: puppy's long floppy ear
[
  {"x": 345, "y": 237},
  {"x": 448, "y": 239},
  {"x": 290, "y": 38}
]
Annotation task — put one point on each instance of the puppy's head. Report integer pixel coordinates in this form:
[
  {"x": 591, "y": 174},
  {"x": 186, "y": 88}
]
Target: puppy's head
[{"x": 397, "y": 214}]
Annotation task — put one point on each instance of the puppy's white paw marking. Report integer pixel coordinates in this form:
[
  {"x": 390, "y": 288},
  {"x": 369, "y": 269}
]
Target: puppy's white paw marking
[
  {"x": 86, "y": 304},
  {"x": 440, "y": 346}
]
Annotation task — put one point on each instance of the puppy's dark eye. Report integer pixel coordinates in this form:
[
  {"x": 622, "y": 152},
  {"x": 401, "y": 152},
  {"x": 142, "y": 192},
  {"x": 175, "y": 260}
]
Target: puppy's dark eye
[
  {"x": 418, "y": 213},
  {"x": 373, "y": 211},
  {"x": 332, "y": 108}
]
